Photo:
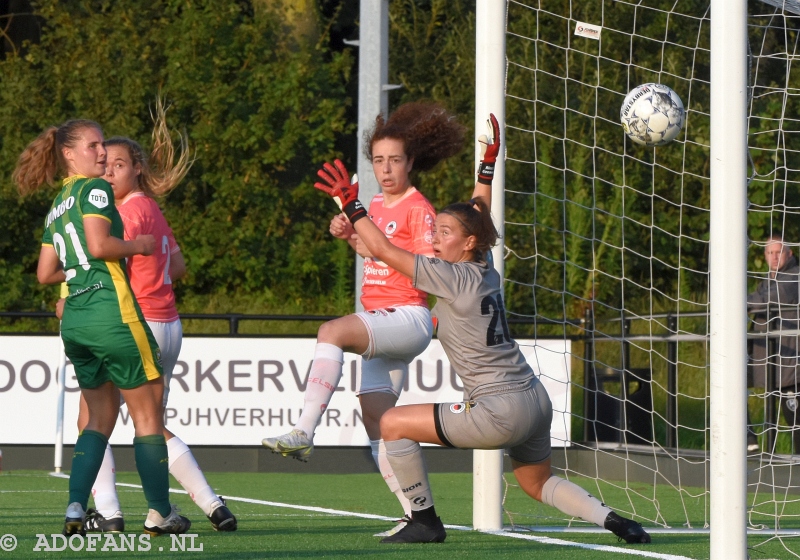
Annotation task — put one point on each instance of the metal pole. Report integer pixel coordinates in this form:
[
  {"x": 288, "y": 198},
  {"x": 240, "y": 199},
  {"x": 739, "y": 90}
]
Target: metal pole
[
  {"x": 62, "y": 389},
  {"x": 672, "y": 384},
  {"x": 589, "y": 379},
  {"x": 490, "y": 79},
  {"x": 373, "y": 97},
  {"x": 728, "y": 283}
]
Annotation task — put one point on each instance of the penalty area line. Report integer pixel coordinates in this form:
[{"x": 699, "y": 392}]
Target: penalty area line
[{"x": 506, "y": 534}]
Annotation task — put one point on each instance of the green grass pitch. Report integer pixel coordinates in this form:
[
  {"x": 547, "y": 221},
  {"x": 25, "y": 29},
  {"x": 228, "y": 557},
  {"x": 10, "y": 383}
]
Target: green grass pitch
[{"x": 33, "y": 502}]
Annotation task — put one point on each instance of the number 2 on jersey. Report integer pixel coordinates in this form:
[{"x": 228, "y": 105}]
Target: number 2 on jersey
[
  {"x": 494, "y": 307},
  {"x": 61, "y": 248},
  {"x": 165, "y": 251}
]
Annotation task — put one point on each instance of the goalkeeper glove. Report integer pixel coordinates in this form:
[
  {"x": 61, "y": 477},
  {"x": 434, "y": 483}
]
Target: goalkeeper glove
[
  {"x": 342, "y": 189},
  {"x": 490, "y": 148}
]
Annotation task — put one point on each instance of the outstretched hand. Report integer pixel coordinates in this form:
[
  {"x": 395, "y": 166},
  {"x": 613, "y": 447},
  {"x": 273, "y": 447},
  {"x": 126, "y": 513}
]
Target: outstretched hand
[
  {"x": 337, "y": 183},
  {"x": 490, "y": 149}
]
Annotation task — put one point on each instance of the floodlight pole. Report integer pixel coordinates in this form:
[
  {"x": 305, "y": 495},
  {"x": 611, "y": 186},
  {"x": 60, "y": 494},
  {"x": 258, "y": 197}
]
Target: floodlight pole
[
  {"x": 490, "y": 81},
  {"x": 728, "y": 281},
  {"x": 373, "y": 97}
]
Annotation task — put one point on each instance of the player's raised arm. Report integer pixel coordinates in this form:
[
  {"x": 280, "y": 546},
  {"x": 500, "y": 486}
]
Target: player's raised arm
[{"x": 490, "y": 149}]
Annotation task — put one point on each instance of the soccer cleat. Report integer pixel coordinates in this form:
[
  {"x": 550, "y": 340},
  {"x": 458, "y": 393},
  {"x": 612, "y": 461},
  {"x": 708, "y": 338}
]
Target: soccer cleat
[
  {"x": 401, "y": 523},
  {"x": 626, "y": 529},
  {"x": 752, "y": 448},
  {"x": 174, "y": 524},
  {"x": 96, "y": 523},
  {"x": 75, "y": 519},
  {"x": 221, "y": 517},
  {"x": 416, "y": 532},
  {"x": 295, "y": 444}
]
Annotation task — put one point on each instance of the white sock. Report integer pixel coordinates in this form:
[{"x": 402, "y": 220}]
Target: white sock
[
  {"x": 408, "y": 464},
  {"x": 379, "y": 455},
  {"x": 326, "y": 371},
  {"x": 186, "y": 471},
  {"x": 104, "y": 489},
  {"x": 574, "y": 500}
]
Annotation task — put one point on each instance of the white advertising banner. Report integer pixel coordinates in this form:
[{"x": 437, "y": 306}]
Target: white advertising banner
[{"x": 236, "y": 391}]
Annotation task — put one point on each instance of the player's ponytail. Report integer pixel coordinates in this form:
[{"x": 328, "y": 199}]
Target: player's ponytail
[
  {"x": 160, "y": 173},
  {"x": 42, "y": 159}
]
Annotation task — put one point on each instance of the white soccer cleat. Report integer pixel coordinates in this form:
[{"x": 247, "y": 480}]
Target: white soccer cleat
[
  {"x": 174, "y": 523},
  {"x": 401, "y": 523},
  {"x": 295, "y": 444},
  {"x": 75, "y": 520}
]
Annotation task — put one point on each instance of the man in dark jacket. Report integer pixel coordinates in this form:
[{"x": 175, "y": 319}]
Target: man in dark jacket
[{"x": 774, "y": 307}]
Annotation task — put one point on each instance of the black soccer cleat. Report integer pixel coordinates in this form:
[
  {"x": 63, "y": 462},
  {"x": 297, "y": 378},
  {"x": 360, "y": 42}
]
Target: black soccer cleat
[
  {"x": 416, "y": 532},
  {"x": 626, "y": 529},
  {"x": 96, "y": 523},
  {"x": 221, "y": 518}
]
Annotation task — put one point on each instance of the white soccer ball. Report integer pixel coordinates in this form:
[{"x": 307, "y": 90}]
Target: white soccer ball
[{"x": 652, "y": 114}]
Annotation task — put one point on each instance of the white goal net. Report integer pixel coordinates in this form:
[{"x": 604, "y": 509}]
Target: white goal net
[{"x": 607, "y": 246}]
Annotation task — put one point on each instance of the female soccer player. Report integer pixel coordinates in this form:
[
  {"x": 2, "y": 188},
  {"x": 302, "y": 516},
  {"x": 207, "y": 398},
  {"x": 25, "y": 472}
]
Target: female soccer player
[
  {"x": 505, "y": 405},
  {"x": 396, "y": 324},
  {"x": 136, "y": 184},
  {"x": 103, "y": 330}
]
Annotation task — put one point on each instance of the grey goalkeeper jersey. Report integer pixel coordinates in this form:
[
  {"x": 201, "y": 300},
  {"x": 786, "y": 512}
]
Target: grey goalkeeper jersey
[{"x": 472, "y": 324}]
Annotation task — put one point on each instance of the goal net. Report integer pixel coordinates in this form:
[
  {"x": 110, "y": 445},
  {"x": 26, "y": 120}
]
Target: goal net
[{"x": 607, "y": 242}]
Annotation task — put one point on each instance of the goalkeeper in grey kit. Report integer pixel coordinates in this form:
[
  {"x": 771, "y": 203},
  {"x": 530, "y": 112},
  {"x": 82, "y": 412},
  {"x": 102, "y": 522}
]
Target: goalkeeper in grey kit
[{"x": 505, "y": 406}]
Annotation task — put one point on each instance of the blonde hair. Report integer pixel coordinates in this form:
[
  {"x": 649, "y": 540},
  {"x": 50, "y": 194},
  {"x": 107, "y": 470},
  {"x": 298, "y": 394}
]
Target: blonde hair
[
  {"x": 160, "y": 173},
  {"x": 42, "y": 159}
]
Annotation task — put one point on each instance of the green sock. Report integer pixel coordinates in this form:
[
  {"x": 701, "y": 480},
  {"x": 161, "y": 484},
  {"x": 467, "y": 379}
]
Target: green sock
[
  {"x": 86, "y": 461},
  {"x": 152, "y": 463}
]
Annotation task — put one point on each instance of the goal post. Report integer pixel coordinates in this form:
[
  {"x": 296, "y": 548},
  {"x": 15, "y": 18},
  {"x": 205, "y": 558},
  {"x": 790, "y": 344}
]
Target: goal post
[
  {"x": 728, "y": 280},
  {"x": 490, "y": 74}
]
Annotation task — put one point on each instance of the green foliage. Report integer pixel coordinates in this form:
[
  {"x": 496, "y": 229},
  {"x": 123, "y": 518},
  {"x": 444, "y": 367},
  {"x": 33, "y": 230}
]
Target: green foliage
[{"x": 262, "y": 106}]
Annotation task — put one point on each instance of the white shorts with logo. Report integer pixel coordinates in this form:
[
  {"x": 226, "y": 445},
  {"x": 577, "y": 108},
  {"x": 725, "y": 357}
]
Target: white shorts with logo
[
  {"x": 397, "y": 335},
  {"x": 516, "y": 417}
]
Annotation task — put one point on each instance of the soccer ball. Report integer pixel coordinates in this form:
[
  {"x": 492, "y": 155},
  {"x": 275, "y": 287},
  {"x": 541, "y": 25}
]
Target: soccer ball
[{"x": 652, "y": 114}]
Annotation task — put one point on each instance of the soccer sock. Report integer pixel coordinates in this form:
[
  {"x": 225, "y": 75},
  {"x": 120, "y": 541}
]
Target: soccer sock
[
  {"x": 104, "y": 491},
  {"x": 153, "y": 466},
  {"x": 326, "y": 371},
  {"x": 379, "y": 455},
  {"x": 408, "y": 463},
  {"x": 86, "y": 461},
  {"x": 186, "y": 471},
  {"x": 574, "y": 500}
]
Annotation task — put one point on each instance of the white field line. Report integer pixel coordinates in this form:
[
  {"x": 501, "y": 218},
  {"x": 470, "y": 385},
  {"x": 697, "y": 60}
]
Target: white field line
[{"x": 508, "y": 534}]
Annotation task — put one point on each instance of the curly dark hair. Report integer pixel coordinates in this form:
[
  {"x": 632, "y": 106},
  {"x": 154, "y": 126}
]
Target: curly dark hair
[{"x": 429, "y": 133}]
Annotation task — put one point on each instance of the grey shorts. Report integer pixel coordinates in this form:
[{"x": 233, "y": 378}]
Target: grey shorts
[{"x": 517, "y": 418}]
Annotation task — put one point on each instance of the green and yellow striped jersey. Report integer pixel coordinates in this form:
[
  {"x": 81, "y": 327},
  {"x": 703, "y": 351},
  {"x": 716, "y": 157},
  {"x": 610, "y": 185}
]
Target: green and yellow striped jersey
[{"x": 99, "y": 291}]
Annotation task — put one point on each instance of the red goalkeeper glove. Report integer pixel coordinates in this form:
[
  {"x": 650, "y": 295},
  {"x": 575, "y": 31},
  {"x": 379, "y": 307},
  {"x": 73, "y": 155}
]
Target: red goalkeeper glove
[
  {"x": 490, "y": 148},
  {"x": 342, "y": 189}
]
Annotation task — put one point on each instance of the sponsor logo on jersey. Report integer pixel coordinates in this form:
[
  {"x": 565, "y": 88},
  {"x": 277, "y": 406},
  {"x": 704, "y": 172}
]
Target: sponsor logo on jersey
[
  {"x": 391, "y": 227},
  {"x": 374, "y": 267},
  {"x": 58, "y": 211},
  {"x": 791, "y": 402},
  {"x": 98, "y": 198},
  {"x": 429, "y": 238}
]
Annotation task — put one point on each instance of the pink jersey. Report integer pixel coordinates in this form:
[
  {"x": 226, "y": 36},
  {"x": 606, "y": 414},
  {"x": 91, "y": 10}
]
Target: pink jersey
[
  {"x": 408, "y": 224},
  {"x": 149, "y": 275}
]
